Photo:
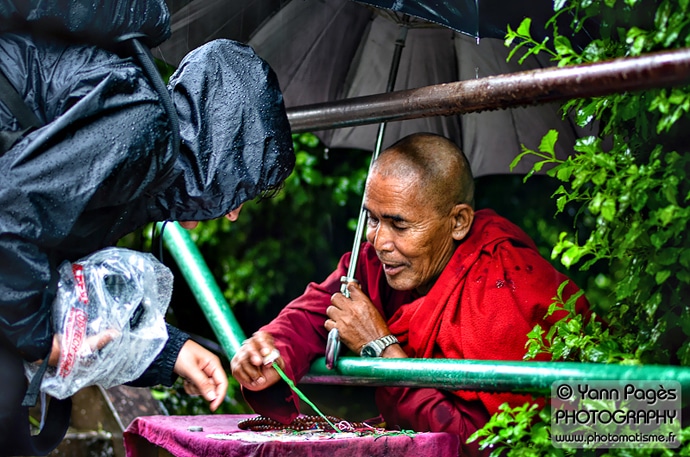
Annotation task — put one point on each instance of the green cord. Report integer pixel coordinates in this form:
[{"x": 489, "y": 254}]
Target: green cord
[{"x": 302, "y": 396}]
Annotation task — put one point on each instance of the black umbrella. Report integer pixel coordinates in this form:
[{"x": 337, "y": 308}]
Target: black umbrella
[
  {"x": 477, "y": 18},
  {"x": 195, "y": 22},
  {"x": 325, "y": 50}
]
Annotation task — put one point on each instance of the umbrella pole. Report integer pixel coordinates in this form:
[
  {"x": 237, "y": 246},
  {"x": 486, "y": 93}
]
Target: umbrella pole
[
  {"x": 392, "y": 76},
  {"x": 333, "y": 342}
]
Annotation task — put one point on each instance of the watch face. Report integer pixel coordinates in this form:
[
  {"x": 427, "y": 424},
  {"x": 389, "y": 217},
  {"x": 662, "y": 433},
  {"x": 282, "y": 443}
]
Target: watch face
[{"x": 368, "y": 351}]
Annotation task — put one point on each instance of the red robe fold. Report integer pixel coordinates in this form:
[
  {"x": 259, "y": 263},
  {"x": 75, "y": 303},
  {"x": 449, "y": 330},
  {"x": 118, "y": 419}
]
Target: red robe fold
[
  {"x": 494, "y": 290},
  {"x": 492, "y": 293}
]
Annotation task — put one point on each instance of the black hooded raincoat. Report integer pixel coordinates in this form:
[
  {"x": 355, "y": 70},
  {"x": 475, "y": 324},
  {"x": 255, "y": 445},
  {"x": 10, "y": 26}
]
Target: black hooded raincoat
[{"x": 103, "y": 163}]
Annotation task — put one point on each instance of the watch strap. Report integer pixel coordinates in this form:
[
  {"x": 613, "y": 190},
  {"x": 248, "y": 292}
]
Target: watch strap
[{"x": 380, "y": 344}]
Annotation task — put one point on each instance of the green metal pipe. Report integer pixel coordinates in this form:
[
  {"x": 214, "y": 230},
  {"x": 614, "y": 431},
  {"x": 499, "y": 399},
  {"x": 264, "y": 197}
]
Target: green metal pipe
[
  {"x": 204, "y": 287},
  {"x": 495, "y": 376}
]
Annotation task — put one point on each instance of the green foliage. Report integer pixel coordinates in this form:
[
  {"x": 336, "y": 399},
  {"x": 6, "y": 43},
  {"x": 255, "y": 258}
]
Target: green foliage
[
  {"x": 629, "y": 184},
  {"x": 523, "y": 427},
  {"x": 165, "y": 69},
  {"x": 577, "y": 338},
  {"x": 636, "y": 190},
  {"x": 523, "y": 431}
]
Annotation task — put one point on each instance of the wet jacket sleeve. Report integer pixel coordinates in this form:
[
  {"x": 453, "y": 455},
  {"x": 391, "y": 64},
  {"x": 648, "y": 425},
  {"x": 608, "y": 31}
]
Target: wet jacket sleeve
[
  {"x": 161, "y": 370},
  {"x": 67, "y": 186},
  {"x": 25, "y": 297}
]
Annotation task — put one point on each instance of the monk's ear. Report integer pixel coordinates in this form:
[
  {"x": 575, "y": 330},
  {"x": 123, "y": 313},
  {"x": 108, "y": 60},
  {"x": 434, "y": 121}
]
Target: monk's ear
[{"x": 463, "y": 215}]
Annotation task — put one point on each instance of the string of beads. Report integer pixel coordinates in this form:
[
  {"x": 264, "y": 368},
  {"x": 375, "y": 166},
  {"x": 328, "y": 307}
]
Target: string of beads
[{"x": 301, "y": 423}]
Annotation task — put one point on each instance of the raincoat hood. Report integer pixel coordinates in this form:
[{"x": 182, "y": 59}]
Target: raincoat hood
[{"x": 235, "y": 136}]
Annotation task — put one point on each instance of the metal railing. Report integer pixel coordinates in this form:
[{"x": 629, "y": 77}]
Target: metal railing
[
  {"x": 499, "y": 376},
  {"x": 661, "y": 69}
]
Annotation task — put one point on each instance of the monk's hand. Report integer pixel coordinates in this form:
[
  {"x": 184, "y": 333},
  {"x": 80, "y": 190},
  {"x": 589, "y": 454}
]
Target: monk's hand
[
  {"x": 251, "y": 365},
  {"x": 356, "y": 318},
  {"x": 202, "y": 372}
]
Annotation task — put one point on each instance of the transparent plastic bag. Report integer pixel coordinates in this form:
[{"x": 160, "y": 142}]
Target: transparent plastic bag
[{"x": 109, "y": 313}]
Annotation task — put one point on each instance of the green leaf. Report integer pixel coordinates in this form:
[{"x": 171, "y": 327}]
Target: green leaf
[
  {"x": 564, "y": 172},
  {"x": 683, "y": 276},
  {"x": 523, "y": 28},
  {"x": 637, "y": 43},
  {"x": 548, "y": 143},
  {"x": 595, "y": 204},
  {"x": 536, "y": 332},
  {"x": 573, "y": 326},
  {"x": 588, "y": 145},
  {"x": 571, "y": 256},
  {"x": 518, "y": 158},
  {"x": 684, "y": 258},
  {"x": 608, "y": 209},
  {"x": 684, "y": 354},
  {"x": 563, "y": 46},
  {"x": 600, "y": 177},
  {"x": 662, "y": 276},
  {"x": 667, "y": 215},
  {"x": 561, "y": 202}
]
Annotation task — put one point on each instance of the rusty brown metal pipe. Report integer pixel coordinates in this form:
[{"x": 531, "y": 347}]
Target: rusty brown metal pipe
[{"x": 663, "y": 69}]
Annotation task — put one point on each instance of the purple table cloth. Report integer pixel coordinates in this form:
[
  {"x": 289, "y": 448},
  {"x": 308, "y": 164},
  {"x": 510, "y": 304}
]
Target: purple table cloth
[{"x": 220, "y": 436}]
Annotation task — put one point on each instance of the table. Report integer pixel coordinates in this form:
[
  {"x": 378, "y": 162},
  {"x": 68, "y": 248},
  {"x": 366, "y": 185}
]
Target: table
[{"x": 157, "y": 436}]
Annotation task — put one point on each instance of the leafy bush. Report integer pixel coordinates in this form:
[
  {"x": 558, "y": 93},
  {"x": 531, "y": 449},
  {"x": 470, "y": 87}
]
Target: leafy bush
[{"x": 630, "y": 181}]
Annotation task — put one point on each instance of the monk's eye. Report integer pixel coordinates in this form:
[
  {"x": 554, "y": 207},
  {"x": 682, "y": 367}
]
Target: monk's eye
[
  {"x": 372, "y": 221},
  {"x": 400, "y": 225}
]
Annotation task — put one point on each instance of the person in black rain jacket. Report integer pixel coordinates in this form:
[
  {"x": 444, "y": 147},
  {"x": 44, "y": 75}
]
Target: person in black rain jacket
[{"x": 102, "y": 162}]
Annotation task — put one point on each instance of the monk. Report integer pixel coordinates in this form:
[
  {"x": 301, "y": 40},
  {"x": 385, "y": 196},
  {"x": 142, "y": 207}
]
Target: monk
[{"x": 435, "y": 279}]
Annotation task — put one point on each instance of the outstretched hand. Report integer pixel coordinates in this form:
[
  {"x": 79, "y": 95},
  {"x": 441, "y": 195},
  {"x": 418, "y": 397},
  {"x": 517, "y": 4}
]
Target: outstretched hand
[
  {"x": 249, "y": 364},
  {"x": 202, "y": 372}
]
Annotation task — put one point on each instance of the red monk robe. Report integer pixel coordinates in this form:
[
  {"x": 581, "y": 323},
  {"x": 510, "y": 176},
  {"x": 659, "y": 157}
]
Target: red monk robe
[{"x": 494, "y": 290}]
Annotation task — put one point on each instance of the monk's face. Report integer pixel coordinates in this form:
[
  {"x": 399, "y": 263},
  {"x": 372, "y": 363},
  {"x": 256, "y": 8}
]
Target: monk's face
[{"x": 413, "y": 238}]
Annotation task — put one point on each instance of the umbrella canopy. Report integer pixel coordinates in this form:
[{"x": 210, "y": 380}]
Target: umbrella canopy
[
  {"x": 195, "y": 22},
  {"x": 477, "y": 18},
  {"x": 324, "y": 50}
]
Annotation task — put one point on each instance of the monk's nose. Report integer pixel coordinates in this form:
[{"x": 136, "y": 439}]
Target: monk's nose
[{"x": 381, "y": 239}]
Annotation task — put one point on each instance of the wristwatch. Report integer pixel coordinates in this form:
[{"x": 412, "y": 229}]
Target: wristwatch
[{"x": 376, "y": 347}]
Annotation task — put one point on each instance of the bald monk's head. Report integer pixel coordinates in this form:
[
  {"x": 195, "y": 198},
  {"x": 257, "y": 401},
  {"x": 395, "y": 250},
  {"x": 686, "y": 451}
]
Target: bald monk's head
[{"x": 419, "y": 200}]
